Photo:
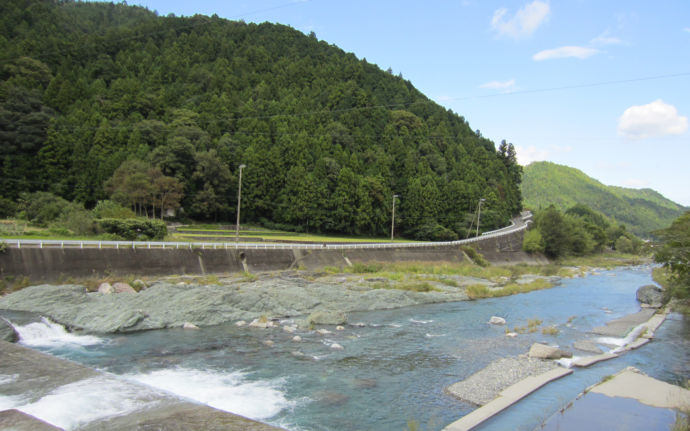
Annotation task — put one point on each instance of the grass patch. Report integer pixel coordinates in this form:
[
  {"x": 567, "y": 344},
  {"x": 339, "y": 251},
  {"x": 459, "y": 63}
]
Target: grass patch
[
  {"x": 477, "y": 291},
  {"x": 410, "y": 286},
  {"x": 550, "y": 330}
]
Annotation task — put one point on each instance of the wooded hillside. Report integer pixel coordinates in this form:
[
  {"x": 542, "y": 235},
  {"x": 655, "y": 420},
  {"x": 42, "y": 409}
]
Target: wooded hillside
[
  {"x": 642, "y": 211},
  {"x": 327, "y": 138}
]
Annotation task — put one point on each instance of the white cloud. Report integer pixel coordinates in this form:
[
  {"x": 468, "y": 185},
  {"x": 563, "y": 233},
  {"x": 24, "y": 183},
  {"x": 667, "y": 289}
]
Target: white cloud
[
  {"x": 499, "y": 85},
  {"x": 523, "y": 23},
  {"x": 580, "y": 52},
  {"x": 652, "y": 120},
  {"x": 606, "y": 39},
  {"x": 529, "y": 154}
]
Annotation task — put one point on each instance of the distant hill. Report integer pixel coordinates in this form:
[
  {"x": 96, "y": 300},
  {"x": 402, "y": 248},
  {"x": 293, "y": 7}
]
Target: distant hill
[{"x": 642, "y": 211}]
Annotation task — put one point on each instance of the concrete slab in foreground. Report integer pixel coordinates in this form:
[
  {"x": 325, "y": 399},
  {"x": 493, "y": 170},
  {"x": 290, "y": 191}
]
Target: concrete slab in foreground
[
  {"x": 506, "y": 398},
  {"x": 631, "y": 383},
  {"x": 32, "y": 379}
]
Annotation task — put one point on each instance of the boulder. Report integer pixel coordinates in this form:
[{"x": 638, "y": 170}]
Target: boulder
[
  {"x": 495, "y": 320},
  {"x": 650, "y": 294},
  {"x": 7, "y": 332},
  {"x": 336, "y": 346},
  {"x": 240, "y": 323},
  {"x": 327, "y": 318},
  {"x": 261, "y": 323},
  {"x": 189, "y": 325},
  {"x": 289, "y": 329},
  {"x": 323, "y": 331},
  {"x": 339, "y": 328},
  {"x": 268, "y": 343},
  {"x": 123, "y": 288},
  {"x": 105, "y": 288},
  {"x": 542, "y": 351},
  {"x": 296, "y": 338}
]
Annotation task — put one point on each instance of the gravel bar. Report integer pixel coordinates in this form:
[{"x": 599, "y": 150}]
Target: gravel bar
[{"x": 485, "y": 385}]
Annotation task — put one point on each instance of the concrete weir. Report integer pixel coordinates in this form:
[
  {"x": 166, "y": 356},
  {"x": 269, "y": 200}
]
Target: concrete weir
[{"x": 34, "y": 378}]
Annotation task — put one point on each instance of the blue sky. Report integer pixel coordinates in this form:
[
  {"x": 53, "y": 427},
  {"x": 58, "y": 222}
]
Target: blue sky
[{"x": 602, "y": 86}]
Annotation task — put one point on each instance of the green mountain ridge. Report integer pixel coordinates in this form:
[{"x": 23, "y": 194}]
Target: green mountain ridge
[
  {"x": 327, "y": 138},
  {"x": 641, "y": 210}
]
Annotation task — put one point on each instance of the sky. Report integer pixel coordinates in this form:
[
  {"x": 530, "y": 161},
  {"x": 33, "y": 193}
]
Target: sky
[{"x": 601, "y": 86}]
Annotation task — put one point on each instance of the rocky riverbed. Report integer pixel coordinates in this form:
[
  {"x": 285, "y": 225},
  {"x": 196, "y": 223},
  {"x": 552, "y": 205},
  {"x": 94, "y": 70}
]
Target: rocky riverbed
[{"x": 173, "y": 301}]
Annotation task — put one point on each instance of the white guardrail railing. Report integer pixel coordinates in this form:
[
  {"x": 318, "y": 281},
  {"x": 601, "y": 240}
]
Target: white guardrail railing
[{"x": 44, "y": 243}]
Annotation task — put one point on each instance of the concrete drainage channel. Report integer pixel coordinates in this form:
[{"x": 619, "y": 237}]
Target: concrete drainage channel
[{"x": 638, "y": 329}]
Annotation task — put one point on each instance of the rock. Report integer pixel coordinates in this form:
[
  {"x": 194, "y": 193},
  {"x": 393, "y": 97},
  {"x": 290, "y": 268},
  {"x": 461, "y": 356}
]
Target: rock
[
  {"x": 268, "y": 343},
  {"x": 123, "y": 288},
  {"x": 336, "y": 346},
  {"x": 650, "y": 294},
  {"x": 261, "y": 323},
  {"x": 339, "y": 328},
  {"x": 105, "y": 288},
  {"x": 289, "y": 329},
  {"x": 587, "y": 346},
  {"x": 240, "y": 323},
  {"x": 327, "y": 318},
  {"x": 296, "y": 338},
  {"x": 542, "y": 351},
  {"x": 359, "y": 324},
  {"x": 7, "y": 332},
  {"x": 511, "y": 334},
  {"x": 495, "y": 320},
  {"x": 297, "y": 354},
  {"x": 323, "y": 331},
  {"x": 188, "y": 325}
]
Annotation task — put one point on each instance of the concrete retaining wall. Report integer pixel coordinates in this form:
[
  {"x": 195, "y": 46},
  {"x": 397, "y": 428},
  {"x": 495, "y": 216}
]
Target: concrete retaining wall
[{"x": 50, "y": 264}]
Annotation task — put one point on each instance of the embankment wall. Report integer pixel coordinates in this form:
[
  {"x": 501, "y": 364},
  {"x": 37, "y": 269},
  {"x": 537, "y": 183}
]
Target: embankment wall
[{"x": 50, "y": 264}]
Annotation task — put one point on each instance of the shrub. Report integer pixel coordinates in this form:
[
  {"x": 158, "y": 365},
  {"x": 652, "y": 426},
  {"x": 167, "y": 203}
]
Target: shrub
[
  {"x": 475, "y": 256},
  {"x": 41, "y": 208},
  {"x": 533, "y": 242},
  {"x": 110, "y": 209},
  {"x": 132, "y": 229}
]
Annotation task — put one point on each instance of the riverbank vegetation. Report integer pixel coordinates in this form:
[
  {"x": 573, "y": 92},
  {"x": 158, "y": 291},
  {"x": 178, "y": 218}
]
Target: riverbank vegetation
[
  {"x": 674, "y": 254},
  {"x": 579, "y": 231}
]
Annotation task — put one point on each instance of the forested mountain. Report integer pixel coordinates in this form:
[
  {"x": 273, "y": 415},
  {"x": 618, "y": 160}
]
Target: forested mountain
[
  {"x": 327, "y": 138},
  {"x": 642, "y": 211}
]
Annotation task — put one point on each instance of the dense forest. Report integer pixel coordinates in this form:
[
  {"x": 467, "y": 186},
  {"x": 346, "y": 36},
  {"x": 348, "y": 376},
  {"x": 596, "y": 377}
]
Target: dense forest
[
  {"x": 104, "y": 101},
  {"x": 642, "y": 211}
]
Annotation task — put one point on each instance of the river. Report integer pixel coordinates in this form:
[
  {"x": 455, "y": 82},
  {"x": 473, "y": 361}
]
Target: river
[{"x": 393, "y": 368}]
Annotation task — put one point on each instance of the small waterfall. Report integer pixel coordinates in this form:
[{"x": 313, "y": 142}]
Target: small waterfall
[{"x": 47, "y": 333}]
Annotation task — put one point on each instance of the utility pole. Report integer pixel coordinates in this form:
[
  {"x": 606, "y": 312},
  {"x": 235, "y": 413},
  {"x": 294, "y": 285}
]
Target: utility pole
[
  {"x": 479, "y": 213},
  {"x": 393, "y": 219},
  {"x": 239, "y": 198}
]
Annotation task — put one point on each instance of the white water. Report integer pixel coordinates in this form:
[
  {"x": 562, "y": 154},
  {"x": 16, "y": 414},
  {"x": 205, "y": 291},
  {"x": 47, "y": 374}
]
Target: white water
[
  {"x": 622, "y": 342},
  {"x": 228, "y": 391},
  {"x": 84, "y": 401},
  {"x": 50, "y": 334}
]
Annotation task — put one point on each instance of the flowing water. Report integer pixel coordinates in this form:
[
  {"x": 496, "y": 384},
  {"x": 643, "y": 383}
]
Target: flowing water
[{"x": 393, "y": 368}]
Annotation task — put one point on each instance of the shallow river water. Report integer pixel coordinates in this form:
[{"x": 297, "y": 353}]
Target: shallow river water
[{"x": 392, "y": 369}]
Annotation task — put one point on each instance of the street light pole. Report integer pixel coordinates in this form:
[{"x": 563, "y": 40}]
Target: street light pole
[
  {"x": 239, "y": 198},
  {"x": 393, "y": 218},
  {"x": 479, "y": 213}
]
